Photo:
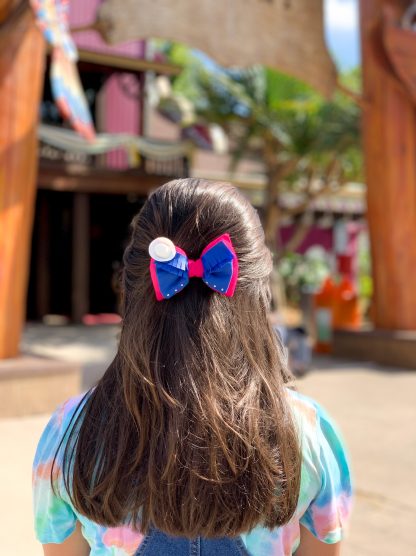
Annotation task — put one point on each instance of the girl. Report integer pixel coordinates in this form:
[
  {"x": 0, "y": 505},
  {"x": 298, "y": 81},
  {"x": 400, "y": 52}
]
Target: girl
[{"x": 192, "y": 442}]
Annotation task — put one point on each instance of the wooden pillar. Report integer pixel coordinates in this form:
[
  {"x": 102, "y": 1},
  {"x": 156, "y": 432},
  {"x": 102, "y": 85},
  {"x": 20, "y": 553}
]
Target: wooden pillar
[
  {"x": 22, "y": 51},
  {"x": 80, "y": 256},
  {"x": 389, "y": 121},
  {"x": 43, "y": 279}
]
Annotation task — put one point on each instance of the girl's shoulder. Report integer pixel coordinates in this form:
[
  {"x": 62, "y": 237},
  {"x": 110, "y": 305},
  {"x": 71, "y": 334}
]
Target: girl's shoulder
[
  {"x": 305, "y": 409},
  {"x": 312, "y": 421},
  {"x": 66, "y": 411},
  {"x": 326, "y": 492},
  {"x": 54, "y": 516},
  {"x": 59, "y": 423},
  {"x": 51, "y": 445}
]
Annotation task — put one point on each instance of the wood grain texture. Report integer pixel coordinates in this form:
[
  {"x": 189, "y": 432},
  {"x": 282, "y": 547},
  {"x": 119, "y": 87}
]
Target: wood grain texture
[
  {"x": 88, "y": 179},
  {"x": 80, "y": 256},
  {"x": 389, "y": 121},
  {"x": 400, "y": 45},
  {"x": 21, "y": 78}
]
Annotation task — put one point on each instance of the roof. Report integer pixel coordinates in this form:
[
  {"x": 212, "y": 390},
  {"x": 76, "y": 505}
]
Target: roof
[
  {"x": 285, "y": 35},
  {"x": 127, "y": 63}
]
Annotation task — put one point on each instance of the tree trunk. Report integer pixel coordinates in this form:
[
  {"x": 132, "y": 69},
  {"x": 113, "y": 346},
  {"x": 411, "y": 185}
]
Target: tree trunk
[
  {"x": 271, "y": 218},
  {"x": 389, "y": 121},
  {"x": 21, "y": 77},
  {"x": 275, "y": 173}
]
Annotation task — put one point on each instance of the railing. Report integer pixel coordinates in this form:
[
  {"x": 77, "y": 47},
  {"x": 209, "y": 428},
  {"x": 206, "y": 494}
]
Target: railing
[
  {"x": 117, "y": 160},
  {"x": 116, "y": 152}
]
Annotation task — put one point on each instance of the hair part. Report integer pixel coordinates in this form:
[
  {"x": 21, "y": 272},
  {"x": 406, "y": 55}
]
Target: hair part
[{"x": 190, "y": 430}]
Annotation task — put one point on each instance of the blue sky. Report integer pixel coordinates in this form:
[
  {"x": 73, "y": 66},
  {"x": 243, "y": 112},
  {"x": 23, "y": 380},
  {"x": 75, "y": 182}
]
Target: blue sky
[{"x": 342, "y": 33}]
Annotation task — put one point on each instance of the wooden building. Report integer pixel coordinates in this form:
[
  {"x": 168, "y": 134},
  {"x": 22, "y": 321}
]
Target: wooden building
[{"x": 85, "y": 202}]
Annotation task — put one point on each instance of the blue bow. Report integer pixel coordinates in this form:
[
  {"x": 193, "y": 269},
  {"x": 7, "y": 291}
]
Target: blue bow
[{"x": 217, "y": 266}]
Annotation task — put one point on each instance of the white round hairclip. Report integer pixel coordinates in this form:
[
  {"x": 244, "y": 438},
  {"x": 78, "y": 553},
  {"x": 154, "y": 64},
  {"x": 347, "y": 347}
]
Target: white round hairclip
[{"x": 162, "y": 249}]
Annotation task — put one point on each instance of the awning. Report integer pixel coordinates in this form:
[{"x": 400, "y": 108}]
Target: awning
[
  {"x": 285, "y": 34},
  {"x": 68, "y": 140}
]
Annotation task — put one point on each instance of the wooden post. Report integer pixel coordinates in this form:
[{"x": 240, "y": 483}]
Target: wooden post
[
  {"x": 43, "y": 281},
  {"x": 22, "y": 51},
  {"x": 389, "y": 121},
  {"x": 80, "y": 256}
]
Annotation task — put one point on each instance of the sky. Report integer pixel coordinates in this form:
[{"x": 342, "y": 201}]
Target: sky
[{"x": 342, "y": 32}]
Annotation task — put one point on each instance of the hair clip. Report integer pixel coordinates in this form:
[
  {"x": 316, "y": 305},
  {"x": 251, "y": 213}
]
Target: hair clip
[{"x": 170, "y": 268}]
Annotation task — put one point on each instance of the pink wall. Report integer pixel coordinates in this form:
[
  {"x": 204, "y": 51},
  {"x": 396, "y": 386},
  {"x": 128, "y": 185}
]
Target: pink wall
[
  {"x": 118, "y": 112},
  {"x": 82, "y": 12},
  {"x": 347, "y": 260}
]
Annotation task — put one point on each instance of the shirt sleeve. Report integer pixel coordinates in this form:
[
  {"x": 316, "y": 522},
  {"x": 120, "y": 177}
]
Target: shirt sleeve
[
  {"x": 54, "y": 517},
  {"x": 327, "y": 515}
]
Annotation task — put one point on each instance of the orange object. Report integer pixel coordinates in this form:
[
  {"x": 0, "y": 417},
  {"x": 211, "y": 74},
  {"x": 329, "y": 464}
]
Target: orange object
[
  {"x": 323, "y": 315},
  {"x": 346, "y": 308},
  {"x": 22, "y": 54}
]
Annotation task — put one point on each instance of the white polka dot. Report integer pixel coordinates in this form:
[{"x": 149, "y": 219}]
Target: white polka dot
[
  {"x": 168, "y": 294},
  {"x": 182, "y": 285},
  {"x": 222, "y": 289},
  {"x": 215, "y": 286}
]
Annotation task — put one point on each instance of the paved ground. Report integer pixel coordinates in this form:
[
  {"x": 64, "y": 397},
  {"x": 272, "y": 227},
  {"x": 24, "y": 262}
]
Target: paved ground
[
  {"x": 375, "y": 409},
  {"x": 91, "y": 346}
]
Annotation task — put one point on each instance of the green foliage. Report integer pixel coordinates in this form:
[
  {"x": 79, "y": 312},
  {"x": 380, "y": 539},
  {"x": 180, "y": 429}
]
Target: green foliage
[
  {"x": 352, "y": 80},
  {"x": 307, "y": 272},
  {"x": 302, "y": 273},
  {"x": 365, "y": 281},
  {"x": 286, "y": 93},
  {"x": 302, "y": 138},
  {"x": 260, "y": 106}
]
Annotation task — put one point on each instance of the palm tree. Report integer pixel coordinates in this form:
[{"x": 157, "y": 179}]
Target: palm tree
[{"x": 307, "y": 144}]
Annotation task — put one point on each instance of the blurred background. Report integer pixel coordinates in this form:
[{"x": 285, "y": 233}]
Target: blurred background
[{"x": 308, "y": 106}]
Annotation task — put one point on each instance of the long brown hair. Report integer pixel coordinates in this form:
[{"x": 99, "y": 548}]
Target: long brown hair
[{"x": 190, "y": 430}]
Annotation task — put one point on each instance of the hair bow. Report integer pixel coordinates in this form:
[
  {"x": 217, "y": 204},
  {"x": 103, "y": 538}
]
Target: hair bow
[{"x": 170, "y": 268}]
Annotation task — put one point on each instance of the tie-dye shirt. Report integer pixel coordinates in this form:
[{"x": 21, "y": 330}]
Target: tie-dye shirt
[{"x": 323, "y": 507}]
